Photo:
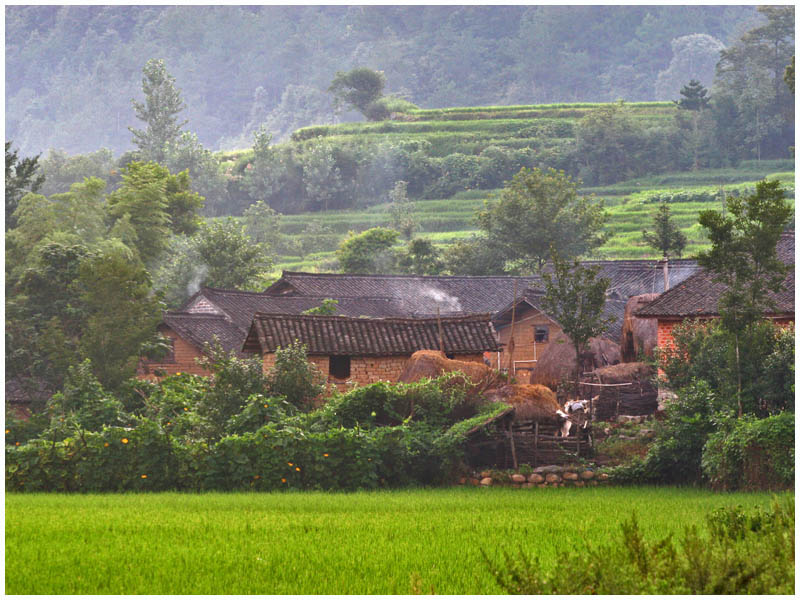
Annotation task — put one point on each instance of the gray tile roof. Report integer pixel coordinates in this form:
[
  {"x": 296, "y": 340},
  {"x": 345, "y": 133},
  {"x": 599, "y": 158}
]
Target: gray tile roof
[
  {"x": 329, "y": 335},
  {"x": 199, "y": 329},
  {"x": 698, "y": 296}
]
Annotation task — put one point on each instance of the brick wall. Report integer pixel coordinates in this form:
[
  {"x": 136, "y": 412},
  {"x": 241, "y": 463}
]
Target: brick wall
[
  {"x": 365, "y": 369},
  {"x": 527, "y": 319},
  {"x": 184, "y": 355}
]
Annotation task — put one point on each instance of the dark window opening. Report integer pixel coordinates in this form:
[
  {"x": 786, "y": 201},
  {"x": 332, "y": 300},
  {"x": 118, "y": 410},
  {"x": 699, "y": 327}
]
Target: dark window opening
[
  {"x": 339, "y": 367},
  {"x": 169, "y": 357},
  {"x": 541, "y": 333},
  {"x": 450, "y": 355}
]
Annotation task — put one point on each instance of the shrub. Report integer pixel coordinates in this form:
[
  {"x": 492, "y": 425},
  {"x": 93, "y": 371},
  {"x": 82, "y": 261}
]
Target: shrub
[
  {"x": 84, "y": 398},
  {"x": 293, "y": 377},
  {"x": 752, "y": 454},
  {"x": 739, "y": 553}
]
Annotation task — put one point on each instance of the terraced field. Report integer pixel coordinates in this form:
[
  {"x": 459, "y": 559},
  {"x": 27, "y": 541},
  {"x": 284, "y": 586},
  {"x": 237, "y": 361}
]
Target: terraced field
[{"x": 631, "y": 206}]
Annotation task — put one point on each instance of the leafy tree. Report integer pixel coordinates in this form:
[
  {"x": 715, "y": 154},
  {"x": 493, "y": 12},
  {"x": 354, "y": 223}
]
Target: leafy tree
[
  {"x": 317, "y": 237},
  {"x": 230, "y": 257},
  {"x": 574, "y": 298},
  {"x": 666, "y": 238},
  {"x": 155, "y": 203},
  {"x": 263, "y": 225},
  {"x": 538, "y": 210},
  {"x": 264, "y": 176},
  {"x": 421, "y": 257},
  {"x": 694, "y": 56},
  {"x": 294, "y": 378},
  {"x": 743, "y": 256},
  {"x": 187, "y": 154},
  {"x": 321, "y": 176},
  {"x": 401, "y": 210},
  {"x": 122, "y": 313},
  {"x": 62, "y": 170},
  {"x": 359, "y": 89},
  {"x": 788, "y": 75},
  {"x": 475, "y": 256},
  {"x": 368, "y": 252},
  {"x": 22, "y": 176},
  {"x": 162, "y": 103}
]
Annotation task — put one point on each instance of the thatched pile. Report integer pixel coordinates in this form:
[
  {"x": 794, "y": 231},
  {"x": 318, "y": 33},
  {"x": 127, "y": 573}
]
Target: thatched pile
[
  {"x": 638, "y": 398},
  {"x": 530, "y": 402},
  {"x": 432, "y": 363},
  {"x": 639, "y": 336},
  {"x": 558, "y": 362}
]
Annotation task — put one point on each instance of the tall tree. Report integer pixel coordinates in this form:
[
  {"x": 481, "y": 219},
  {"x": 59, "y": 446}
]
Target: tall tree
[
  {"x": 574, "y": 298},
  {"x": 694, "y": 100},
  {"x": 22, "y": 176},
  {"x": 666, "y": 238},
  {"x": 359, "y": 89},
  {"x": 538, "y": 210},
  {"x": 744, "y": 258},
  {"x": 401, "y": 210},
  {"x": 162, "y": 103}
]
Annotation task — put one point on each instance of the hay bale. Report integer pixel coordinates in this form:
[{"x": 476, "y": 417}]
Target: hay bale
[
  {"x": 530, "y": 402},
  {"x": 632, "y": 372},
  {"x": 432, "y": 363},
  {"x": 639, "y": 398},
  {"x": 639, "y": 336},
  {"x": 558, "y": 362}
]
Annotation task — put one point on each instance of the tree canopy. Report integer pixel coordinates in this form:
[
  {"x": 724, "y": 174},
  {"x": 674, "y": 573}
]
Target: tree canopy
[{"x": 539, "y": 210}]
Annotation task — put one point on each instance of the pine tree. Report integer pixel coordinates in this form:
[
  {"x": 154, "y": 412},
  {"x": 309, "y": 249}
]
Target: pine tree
[{"x": 666, "y": 237}]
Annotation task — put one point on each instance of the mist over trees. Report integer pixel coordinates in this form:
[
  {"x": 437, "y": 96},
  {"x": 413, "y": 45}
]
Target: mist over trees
[{"x": 72, "y": 71}]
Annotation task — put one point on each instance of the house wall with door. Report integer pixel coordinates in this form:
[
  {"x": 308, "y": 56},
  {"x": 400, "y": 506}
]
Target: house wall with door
[{"x": 533, "y": 332}]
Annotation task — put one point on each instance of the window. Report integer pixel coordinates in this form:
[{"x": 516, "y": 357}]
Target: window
[
  {"x": 541, "y": 333},
  {"x": 339, "y": 367}
]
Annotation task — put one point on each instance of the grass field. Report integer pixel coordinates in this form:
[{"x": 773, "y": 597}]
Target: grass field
[{"x": 319, "y": 543}]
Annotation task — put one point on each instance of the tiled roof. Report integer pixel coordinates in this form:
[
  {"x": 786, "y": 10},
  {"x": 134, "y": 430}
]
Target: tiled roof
[
  {"x": 201, "y": 328},
  {"x": 418, "y": 294},
  {"x": 699, "y": 295},
  {"x": 329, "y": 335},
  {"x": 240, "y": 306},
  {"x": 614, "y": 308}
]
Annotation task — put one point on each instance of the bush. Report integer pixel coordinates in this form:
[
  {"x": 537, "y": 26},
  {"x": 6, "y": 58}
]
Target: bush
[
  {"x": 740, "y": 553},
  {"x": 293, "y": 377},
  {"x": 752, "y": 454}
]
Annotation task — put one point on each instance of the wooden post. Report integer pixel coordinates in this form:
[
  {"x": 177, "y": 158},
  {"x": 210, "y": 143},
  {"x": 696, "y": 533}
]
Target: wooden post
[
  {"x": 511, "y": 337},
  {"x": 536, "y": 446},
  {"x": 513, "y": 446},
  {"x": 439, "y": 323},
  {"x": 578, "y": 443}
]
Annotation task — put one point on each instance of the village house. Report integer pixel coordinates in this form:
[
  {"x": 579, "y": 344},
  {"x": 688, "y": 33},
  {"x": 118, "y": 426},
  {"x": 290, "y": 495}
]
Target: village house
[
  {"x": 367, "y": 350},
  {"x": 535, "y": 331},
  {"x": 221, "y": 316},
  {"x": 698, "y": 298}
]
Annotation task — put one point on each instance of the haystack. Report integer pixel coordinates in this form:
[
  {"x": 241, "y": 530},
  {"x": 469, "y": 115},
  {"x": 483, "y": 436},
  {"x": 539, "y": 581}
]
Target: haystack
[
  {"x": 530, "y": 402},
  {"x": 432, "y": 363},
  {"x": 633, "y": 372},
  {"x": 558, "y": 362},
  {"x": 639, "y": 336}
]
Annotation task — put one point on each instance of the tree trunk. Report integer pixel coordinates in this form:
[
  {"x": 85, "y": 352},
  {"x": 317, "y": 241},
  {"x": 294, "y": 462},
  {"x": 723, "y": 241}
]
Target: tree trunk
[
  {"x": 666, "y": 273},
  {"x": 738, "y": 378}
]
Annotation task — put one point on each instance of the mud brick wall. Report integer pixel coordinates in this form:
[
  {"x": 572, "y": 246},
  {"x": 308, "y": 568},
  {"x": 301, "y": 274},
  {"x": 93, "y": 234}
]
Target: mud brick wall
[{"x": 183, "y": 360}]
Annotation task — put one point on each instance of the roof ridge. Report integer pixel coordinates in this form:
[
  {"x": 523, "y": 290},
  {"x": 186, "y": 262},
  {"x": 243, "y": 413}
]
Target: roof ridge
[
  {"x": 204, "y": 315},
  {"x": 469, "y": 317},
  {"x": 406, "y": 276}
]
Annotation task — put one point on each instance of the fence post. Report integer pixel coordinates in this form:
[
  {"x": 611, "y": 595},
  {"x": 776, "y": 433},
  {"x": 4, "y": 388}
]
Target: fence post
[
  {"x": 513, "y": 446},
  {"x": 536, "y": 446}
]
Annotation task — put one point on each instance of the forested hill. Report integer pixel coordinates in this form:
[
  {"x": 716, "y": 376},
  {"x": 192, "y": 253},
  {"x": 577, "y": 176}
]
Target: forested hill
[{"x": 71, "y": 72}]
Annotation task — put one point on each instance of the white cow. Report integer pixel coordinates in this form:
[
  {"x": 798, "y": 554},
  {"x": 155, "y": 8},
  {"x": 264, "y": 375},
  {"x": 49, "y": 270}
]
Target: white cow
[{"x": 574, "y": 412}]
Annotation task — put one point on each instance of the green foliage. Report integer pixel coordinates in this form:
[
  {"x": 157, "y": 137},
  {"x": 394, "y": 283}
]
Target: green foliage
[
  {"x": 84, "y": 400},
  {"x": 539, "y": 210},
  {"x": 666, "y": 237},
  {"x": 293, "y": 377},
  {"x": 421, "y": 257},
  {"x": 743, "y": 254},
  {"x": 327, "y": 307},
  {"x": 368, "y": 252},
  {"x": 752, "y": 454},
  {"x": 360, "y": 89},
  {"x": 21, "y": 177},
  {"x": 738, "y": 553},
  {"x": 162, "y": 103},
  {"x": 231, "y": 258},
  {"x": 574, "y": 297},
  {"x": 401, "y": 210}
]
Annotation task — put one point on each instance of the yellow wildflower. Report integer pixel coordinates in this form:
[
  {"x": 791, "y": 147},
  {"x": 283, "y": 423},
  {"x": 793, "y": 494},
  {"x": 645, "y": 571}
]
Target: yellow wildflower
[
  {"x": 257, "y": 477},
  {"x": 8, "y": 431},
  {"x": 17, "y": 444},
  {"x": 290, "y": 464},
  {"x": 185, "y": 408},
  {"x": 144, "y": 476},
  {"x": 325, "y": 455},
  {"x": 283, "y": 479},
  {"x": 297, "y": 468},
  {"x": 124, "y": 440},
  {"x": 105, "y": 445},
  {"x": 178, "y": 373}
]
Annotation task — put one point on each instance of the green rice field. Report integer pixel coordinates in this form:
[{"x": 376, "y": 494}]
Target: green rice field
[{"x": 388, "y": 542}]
